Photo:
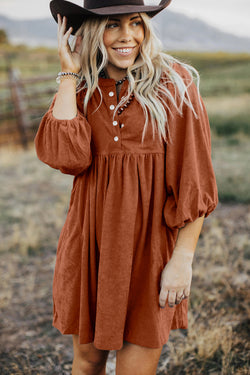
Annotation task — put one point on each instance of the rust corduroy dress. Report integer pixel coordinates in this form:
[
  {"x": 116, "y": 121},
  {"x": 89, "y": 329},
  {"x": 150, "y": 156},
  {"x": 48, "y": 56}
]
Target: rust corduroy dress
[{"x": 127, "y": 203}]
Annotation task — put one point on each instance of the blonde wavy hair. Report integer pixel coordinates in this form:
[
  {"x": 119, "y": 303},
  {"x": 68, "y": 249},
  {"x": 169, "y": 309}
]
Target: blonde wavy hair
[{"x": 145, "y": 76}]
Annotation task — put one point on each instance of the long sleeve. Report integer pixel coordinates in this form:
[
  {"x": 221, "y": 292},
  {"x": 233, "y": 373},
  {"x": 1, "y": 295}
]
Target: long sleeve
[
  {"x": 190, "y": 179},
  {"x": 64, "y": 144}
]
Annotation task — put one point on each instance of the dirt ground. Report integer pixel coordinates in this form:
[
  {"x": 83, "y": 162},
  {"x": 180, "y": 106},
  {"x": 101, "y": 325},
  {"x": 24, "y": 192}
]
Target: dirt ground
[{"x": 217, "y": 340}]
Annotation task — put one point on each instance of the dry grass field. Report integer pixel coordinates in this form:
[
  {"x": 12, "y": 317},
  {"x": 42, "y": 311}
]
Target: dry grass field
[{"x": 34, "y": 200}]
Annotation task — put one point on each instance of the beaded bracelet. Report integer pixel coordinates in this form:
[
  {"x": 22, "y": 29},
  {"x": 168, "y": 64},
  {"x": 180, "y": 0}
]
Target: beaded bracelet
[{"x": 67, "y": 75}]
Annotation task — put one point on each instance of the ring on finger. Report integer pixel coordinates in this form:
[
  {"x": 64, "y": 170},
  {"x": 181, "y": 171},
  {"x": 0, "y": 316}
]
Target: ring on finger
[{"x": 180, "y": 298}]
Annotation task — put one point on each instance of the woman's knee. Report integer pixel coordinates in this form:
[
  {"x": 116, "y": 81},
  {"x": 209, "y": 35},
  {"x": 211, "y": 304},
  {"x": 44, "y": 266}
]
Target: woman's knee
[
  {"x": 84, "y": 367},
  {"x": 88, "y": 359},
  {"x": 137, "y": 360}
]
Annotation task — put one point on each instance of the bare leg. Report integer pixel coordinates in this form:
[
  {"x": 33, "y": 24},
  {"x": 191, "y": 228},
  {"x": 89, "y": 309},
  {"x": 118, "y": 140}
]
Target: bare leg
[
  {"x": 137, "y": 360},
  {"x": 88, "y": 360}
]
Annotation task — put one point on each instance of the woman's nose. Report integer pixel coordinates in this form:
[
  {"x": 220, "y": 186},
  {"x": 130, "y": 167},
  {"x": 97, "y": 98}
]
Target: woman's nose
[{"x": 125, "y": 34}]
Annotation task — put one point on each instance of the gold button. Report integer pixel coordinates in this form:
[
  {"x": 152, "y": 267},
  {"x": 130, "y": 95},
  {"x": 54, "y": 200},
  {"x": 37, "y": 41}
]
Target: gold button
[
  {"x": 116, "y": 138},
  {"x": 112, "y": 107},
  {"x": 115, "y": 123},
  {"x": 111, "y": 93}
]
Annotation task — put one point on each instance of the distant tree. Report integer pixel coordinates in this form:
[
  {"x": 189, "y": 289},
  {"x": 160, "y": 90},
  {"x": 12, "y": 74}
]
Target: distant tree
[{"x": 3, "y": 37}]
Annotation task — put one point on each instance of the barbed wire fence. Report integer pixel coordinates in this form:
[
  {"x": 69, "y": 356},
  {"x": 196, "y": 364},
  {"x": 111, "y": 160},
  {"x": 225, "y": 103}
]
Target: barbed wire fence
[{"x": 23, "y": 102}]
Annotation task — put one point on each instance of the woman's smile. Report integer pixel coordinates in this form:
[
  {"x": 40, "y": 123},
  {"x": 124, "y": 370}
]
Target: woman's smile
[{"x": 125, "y": 51}]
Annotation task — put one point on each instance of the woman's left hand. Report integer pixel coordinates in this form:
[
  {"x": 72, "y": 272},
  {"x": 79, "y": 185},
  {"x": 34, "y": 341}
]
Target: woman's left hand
[{"x": 176, "y": 278}]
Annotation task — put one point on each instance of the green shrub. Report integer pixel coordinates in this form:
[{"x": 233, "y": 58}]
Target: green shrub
[{"x": 224, "y": 126}]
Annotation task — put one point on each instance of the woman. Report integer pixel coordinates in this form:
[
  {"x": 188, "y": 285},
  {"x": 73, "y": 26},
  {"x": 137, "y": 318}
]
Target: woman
[{"x": 129, "y": 124}]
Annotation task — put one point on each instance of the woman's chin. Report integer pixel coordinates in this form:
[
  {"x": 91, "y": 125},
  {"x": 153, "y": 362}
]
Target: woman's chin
[{"x": 122, "y": 65}]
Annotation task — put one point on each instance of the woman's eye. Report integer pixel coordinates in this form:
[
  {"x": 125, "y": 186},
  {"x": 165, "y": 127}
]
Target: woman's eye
[
  {"x": 111, "y": 25},
  {"x": 136, "y": 23}
]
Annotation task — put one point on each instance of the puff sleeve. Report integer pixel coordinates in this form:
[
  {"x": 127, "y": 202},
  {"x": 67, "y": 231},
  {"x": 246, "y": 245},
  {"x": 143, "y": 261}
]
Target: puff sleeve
[
  {"x": 64, "y": 144},
  {"x": 190, "y": 179}
]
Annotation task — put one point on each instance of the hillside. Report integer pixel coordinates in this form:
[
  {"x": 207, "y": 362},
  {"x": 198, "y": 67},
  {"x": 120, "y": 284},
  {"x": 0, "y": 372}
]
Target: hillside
[{"x": 177, "y": 31}]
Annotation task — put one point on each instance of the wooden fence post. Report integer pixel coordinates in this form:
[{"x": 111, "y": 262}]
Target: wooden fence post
[{"x": 19, "y": 105}]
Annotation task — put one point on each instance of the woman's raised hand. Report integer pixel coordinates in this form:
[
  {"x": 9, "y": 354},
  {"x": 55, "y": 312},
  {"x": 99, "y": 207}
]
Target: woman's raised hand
[{"x": 70, "y": 60}]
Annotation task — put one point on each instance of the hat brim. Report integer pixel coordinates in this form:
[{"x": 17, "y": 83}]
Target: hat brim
[{"x": 76, "y": 14}]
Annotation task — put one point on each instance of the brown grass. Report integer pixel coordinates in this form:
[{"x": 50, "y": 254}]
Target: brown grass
[{"x": 33, "y": 207}]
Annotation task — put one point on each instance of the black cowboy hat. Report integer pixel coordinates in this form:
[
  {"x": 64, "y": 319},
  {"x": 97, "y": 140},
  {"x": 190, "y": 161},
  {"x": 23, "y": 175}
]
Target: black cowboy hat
[{"x": 75, "y": 14}]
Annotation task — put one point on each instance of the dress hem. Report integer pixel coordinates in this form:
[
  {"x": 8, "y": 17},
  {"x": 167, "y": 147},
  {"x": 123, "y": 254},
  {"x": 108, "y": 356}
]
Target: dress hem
[{"x": 178, "y": 324}]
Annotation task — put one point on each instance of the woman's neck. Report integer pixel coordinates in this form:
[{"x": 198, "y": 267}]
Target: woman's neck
[{"x": 115, "y": 74}]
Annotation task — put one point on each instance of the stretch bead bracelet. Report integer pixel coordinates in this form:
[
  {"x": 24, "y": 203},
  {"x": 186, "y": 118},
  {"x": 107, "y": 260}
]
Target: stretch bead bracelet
[
  {"x": 67, "y": 75},
  {"x": 70, "y": 77}
]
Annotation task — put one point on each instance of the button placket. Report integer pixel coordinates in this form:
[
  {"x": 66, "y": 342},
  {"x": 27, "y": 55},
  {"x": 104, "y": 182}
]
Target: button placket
[
  {"x": 115, "y": 121},
  {"x": 117, "y": 130}
]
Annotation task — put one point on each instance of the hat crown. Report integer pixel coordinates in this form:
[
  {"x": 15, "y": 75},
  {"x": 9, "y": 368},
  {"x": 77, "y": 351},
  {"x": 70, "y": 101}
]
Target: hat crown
[{"x": 94, "y": 4}]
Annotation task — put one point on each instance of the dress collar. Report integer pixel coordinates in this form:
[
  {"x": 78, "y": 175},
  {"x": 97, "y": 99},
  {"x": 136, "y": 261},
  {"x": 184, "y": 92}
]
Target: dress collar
[{"x": 110, "y": 82}]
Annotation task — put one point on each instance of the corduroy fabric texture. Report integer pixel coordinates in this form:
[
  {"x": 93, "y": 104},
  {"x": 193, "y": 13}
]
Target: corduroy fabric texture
[{"x": 128, "y": 201}]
